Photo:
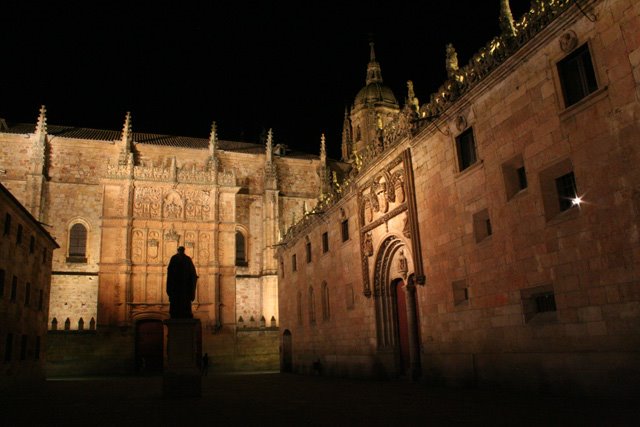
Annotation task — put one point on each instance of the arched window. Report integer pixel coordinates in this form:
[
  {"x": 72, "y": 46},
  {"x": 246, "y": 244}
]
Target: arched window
[
  {"x": 326, "y": 310},
  {"x": 299, "y": 306},
  {"x": 77, "y": 243},
  {"x": 241, "y": 249}
]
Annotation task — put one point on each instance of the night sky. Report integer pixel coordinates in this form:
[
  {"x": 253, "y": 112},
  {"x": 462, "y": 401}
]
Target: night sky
[{"x": 249, "y": 66}]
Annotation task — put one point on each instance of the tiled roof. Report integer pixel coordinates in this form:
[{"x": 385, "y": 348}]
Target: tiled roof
[{"x": 142, "y": 138}]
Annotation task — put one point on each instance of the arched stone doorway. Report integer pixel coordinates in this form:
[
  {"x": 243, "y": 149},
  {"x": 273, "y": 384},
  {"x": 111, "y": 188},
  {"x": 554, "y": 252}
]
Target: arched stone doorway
[
  {"x": 149, "y": 346},
  {"x": 396, "y": 309},
  {"x": 287, "y": 352}
]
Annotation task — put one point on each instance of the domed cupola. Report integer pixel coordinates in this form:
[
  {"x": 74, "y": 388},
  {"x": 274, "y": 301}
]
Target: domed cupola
[
  {"x": 374, "y": 106},
  {"x": 374, "y": 92}
]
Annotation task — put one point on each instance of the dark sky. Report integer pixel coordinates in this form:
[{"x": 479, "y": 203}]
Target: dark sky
[{"x": 177, "y": 66}]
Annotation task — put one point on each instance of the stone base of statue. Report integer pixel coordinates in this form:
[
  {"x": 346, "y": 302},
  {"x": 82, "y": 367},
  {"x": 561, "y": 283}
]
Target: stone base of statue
[{"x": 182, "y": 376}]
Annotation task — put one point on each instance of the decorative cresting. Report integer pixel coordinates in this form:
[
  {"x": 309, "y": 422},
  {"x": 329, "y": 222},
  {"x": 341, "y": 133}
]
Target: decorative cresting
[{"x": 384, "y": 297}]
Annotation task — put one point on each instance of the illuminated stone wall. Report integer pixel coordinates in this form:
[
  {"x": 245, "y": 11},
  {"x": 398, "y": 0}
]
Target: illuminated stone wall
[{"x": 493, "y": 256}]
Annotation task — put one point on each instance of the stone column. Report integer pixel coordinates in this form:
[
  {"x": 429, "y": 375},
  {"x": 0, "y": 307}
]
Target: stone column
[{"x": 181, "y": 376}]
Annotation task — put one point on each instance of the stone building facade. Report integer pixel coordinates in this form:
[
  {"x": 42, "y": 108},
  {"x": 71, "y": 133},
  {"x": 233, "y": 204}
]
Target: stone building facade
[
  {"x": 26, "y": 250},
  {"x": 489, "y": 236},
  {"x": 120, "y": 203}
]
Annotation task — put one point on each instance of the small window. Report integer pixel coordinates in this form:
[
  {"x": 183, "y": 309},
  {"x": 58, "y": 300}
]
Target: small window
[
  {"x": 2, "y": 275},
  {"x": 32, "y": 244},
  {"x": 241, "y": 250},
  {"x": 566, "y": 188},
  {"x": 77, "y": 243},
  {"x": 19, "y": 235},
  {"x": 40, "y": 299},
  {"x": 8, "y": 348},
  {"x": 577, "y": 76},
  {"x": 466, "y": 146},
  {"x": 482, "y": 225},
  {"x": 7, "y": 224},
  {"x": 294, "y": 264},
  {"x": 308, "y": 251},
  {"x": 515, "y": 176},
  {"x": 559, "y": 190},
  {"x": 27, "y": 294},
  {"x": 460, "y": 292},
  {"x": 539, "y": 304},
  {"x": 345, "y": 230},
  {"x": 14, "y": 288},
  {"x": 325, "y": 242},
  {"x": 44, "y": 255}
]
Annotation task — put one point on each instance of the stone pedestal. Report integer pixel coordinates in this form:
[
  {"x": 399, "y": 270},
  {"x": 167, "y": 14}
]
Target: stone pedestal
[{"x": 181, "y": 374}]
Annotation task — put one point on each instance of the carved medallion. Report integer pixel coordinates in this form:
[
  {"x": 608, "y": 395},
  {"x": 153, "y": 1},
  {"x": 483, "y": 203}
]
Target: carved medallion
[{"x": 568, "y": 41}]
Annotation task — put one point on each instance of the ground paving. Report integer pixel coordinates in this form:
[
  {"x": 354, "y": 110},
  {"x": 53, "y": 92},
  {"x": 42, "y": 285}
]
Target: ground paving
[{"x": 272, "y": 399}]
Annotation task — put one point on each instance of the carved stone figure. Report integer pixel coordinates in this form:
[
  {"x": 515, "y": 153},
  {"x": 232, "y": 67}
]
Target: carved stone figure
[{"x": 181, "y": 285}]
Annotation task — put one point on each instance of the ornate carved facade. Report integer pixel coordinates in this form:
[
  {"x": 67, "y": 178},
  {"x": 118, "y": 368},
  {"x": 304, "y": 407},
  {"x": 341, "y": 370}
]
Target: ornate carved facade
[{"x": 138, "y": 197}]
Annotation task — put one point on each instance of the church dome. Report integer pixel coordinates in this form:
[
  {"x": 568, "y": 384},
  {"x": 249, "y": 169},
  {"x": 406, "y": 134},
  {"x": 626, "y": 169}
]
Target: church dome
[{"x": 374, "y": 92}]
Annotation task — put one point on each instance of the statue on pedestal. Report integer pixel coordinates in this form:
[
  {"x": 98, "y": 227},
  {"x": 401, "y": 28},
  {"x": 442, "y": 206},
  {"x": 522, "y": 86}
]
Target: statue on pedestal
[{"x": 181, "y": 285}]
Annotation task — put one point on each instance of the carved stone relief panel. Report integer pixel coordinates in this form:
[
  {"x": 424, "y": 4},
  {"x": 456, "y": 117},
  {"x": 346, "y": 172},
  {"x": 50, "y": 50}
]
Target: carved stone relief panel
[
  {"x": 173, "y": 206},
  {"x": 137, "y": 246},
  {"x": 197, "y": 204},
  {"x": 203, "y": 248},
  {"x": 153, "y": 246},
  {"x": 147, "y": 202}
]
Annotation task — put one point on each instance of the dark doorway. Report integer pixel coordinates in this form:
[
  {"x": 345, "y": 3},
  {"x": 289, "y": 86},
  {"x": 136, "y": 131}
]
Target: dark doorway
[
  {"x": 287, "y": 352},
  {"x": 149, "y": 346},
  {"x": 403, "y": 325}
]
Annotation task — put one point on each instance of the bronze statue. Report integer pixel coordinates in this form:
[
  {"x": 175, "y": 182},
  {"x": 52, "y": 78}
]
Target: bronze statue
[{"x": 181, "y": 285}]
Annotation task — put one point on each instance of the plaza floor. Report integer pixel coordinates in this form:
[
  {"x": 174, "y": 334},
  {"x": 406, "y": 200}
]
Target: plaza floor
[{"x": 272, "y": 399}]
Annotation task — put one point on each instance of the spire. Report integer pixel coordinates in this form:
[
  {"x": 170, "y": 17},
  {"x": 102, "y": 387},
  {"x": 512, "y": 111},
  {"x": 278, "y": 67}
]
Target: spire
[
  {"x": 270, "y": 146},
  {"x": 506, "y": 19},
  {"x": 127, "y": 133},
  {"x": 323, "y": 150},
  {"x": 213, "y": 140},
  {"x": 374, "y": 74},
  {"x": 346, "y": 136},
  {"x": 41, "y": 126}
]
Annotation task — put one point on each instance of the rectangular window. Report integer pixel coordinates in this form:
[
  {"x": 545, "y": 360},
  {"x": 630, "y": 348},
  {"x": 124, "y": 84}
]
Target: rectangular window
[
  {"x": 40, "y": 299},
  {"x": 325, "y": 242},
  {"x": 308, "y": 251},
  {"x": 7, "y": 224},
  {"x": 460, "y": 292},
  {"x": 466, "y": 146},
  {"x": 539, "y": 304},
  {"x": 1, "y": 283},
  {"x": 14, "y": 288},
  {"x": 482, "y": 225},
  {"x": 522, "y": 178},
  {"x": 577, "y": 76},
  {"x": 32, "y": 244},
  {"x": 294, "y": 265},
  {"x": 515, "y": 176},
  {"x": 345, "y": 230},
  {"x": 19, "y": 235},
  {"x": 8, "y": 348},
  {"x": 566, "y": 188}
]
